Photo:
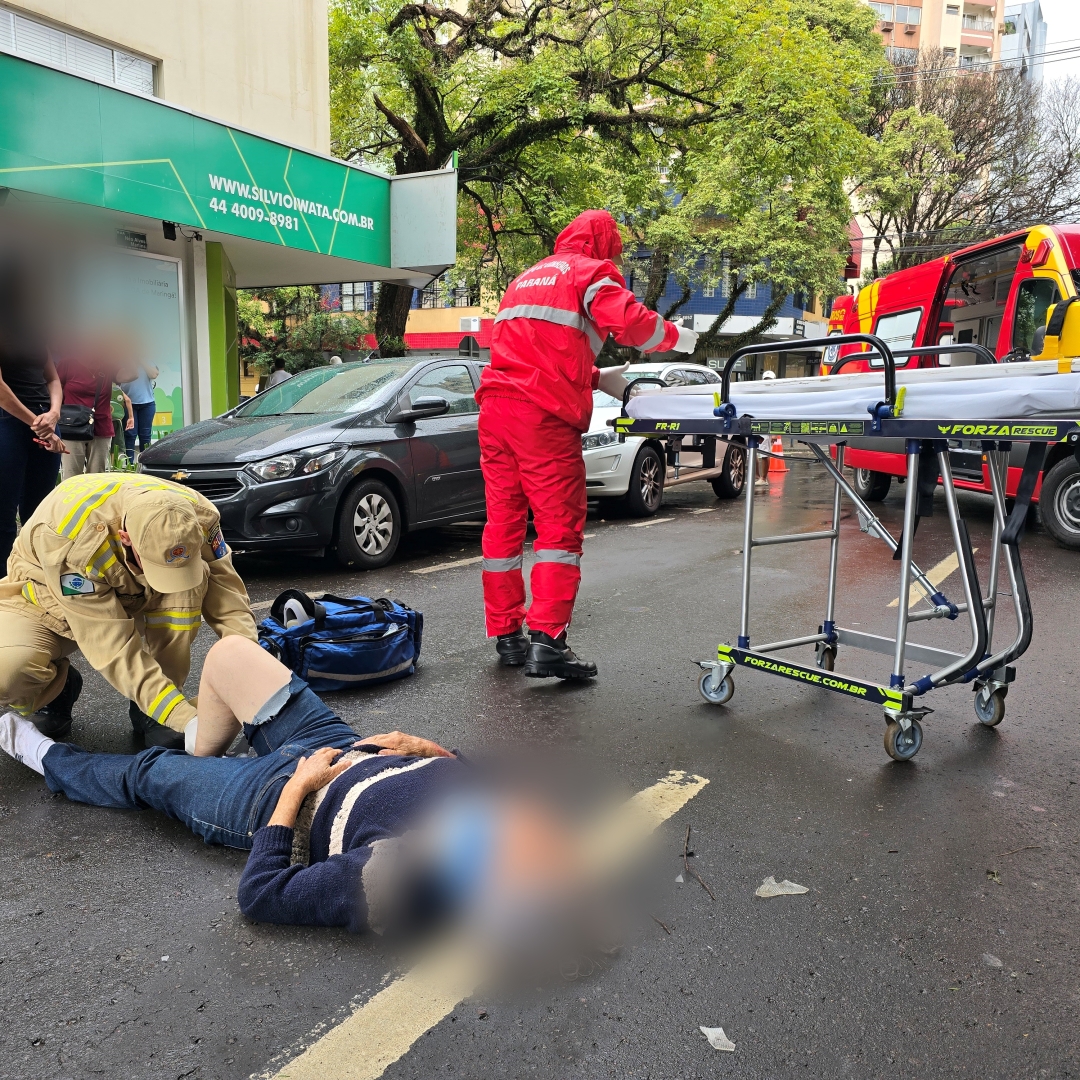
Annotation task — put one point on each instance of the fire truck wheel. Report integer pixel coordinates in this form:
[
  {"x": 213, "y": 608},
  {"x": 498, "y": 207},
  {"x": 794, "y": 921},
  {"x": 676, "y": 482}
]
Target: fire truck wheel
[
  {"x": 1059, "y": 503},
  {"x": 872, "y": 486}
]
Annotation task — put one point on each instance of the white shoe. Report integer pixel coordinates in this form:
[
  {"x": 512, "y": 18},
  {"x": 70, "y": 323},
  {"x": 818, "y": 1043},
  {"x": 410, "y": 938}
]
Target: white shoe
[
  {"x": 22, "y": 741},
  {"x": 761, "y": 483}
]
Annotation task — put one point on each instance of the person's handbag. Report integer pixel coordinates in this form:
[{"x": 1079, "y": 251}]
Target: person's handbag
[
  {"x": 341, "y": 643},
  {"x": 76, "y": 423}
]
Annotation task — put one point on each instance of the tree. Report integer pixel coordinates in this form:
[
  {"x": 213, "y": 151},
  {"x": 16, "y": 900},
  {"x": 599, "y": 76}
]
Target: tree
[
  {"x": 553, "y": 106},
  {"x": 762, "y": 199},
  {"x": 961, "y": 156},
  {"x": 293, "y": 323}
]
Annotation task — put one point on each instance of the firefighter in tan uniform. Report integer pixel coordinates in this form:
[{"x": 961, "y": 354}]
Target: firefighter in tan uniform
[{"x": 125, "y": 568}]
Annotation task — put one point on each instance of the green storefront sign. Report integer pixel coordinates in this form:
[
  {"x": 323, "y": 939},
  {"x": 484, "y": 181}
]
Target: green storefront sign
[{"x": 119, "y": 151}]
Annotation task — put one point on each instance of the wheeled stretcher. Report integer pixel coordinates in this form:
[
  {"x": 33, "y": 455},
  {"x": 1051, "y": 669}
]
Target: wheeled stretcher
[{"x": 1036, "y": 403}]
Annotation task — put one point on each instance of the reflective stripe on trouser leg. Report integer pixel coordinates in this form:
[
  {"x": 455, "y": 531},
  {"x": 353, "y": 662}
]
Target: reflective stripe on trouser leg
[{"x": 504, "y": 532}]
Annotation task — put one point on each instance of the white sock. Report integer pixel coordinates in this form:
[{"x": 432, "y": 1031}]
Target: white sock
[
  {"x": 22, "y": 741},
  {"x": 191, "y": 730}
]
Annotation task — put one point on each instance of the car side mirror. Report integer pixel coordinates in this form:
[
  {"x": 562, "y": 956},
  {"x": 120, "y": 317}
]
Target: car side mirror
[{"x": 408, "y": 412}]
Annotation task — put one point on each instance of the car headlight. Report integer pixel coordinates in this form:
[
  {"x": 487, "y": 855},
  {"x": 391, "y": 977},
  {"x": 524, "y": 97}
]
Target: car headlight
[
  {"x": 285, "y": 465},
  {"x": 596, "y": 439}
]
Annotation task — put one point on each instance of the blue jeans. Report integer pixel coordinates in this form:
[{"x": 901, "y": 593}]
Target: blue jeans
[
  {"x": 223, "y": 800},
  {"x": 27, "y": 476},
  {"x": 144, "y": 427}
]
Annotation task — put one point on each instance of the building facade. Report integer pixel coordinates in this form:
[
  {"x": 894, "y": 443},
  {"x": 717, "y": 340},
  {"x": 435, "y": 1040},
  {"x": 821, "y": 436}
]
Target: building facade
[
  {"x": 186, "y": 146},
  {"x": 1023, "y": 43},
  {"x": 968, "y": 34}
]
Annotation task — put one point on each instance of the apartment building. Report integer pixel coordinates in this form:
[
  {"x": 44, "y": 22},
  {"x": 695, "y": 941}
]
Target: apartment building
[
  {"x": 1024, "y": 41},
  {"x": 970, "y": 33},
  {"x": 190, "y": 142}
]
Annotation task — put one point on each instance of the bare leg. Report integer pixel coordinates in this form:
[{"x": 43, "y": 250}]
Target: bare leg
[{"x": 238, "y": 678}]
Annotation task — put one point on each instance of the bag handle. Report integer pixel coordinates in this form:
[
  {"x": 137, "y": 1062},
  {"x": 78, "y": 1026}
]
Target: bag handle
[
  {"x": 312, "y": 608},
  {"x": 381, "y": 604}
]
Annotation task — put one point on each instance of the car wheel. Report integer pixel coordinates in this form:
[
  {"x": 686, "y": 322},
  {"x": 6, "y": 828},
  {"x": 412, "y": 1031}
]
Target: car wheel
[
  {"x": 1059, "y": 503},
  {"x": 871, "y": 486},
  {"x": 730, "y": 483},
  {"x": 646, "y": 490},
  {"x": 369, "y": 526}
]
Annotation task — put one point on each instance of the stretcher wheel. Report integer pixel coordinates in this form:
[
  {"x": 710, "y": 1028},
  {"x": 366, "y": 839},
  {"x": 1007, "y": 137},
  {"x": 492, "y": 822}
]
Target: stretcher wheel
[
  {"x": 990, "y": 708},
  {"x": 716, "y": 694},
  {"x": 827, "y": 660},
  {"x": 902, "y": 745}
]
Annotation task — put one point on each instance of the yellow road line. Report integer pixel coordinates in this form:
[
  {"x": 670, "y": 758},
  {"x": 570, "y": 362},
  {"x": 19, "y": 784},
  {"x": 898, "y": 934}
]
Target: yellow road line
[
  {"x": 936, "y": 575},
  {"x": 448, "y": 565},
  {"x": 384, "y": 1029}
]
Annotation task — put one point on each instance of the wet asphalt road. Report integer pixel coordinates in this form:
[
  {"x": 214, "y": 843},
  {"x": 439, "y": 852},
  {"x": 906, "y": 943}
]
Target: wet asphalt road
[{"x": 921, "y": 950}]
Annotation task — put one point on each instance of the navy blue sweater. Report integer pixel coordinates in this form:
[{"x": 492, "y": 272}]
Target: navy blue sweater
[{"x": 350, "y": 846}]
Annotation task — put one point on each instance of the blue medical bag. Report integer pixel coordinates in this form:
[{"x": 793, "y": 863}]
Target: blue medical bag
[{"x": 339, "y": 642}]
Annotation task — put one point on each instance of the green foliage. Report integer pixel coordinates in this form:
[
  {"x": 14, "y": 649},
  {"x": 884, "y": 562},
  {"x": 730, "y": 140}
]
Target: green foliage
[
  {"x": 292, "y": 323},
  {"x": 745, "y": 110}
]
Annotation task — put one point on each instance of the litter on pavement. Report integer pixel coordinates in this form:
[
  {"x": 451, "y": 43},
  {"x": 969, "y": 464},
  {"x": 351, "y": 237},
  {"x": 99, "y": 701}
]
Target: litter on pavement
[
  {"x": 771, "y": 887},
  {"x": 717, "y": 1039}
]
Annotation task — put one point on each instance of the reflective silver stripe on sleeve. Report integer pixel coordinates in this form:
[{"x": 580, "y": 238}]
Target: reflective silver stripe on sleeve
[
  {"x": 593, "y": 289},
  {"x": 569, "y": 558},
  {"x": 502, "y": 566},
  {"x": 657, "y": 335},
  {"x": 595, "y": 340}
]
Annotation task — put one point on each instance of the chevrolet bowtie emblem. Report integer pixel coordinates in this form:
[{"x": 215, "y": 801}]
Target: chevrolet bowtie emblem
[{"x": 180, "y": 475}]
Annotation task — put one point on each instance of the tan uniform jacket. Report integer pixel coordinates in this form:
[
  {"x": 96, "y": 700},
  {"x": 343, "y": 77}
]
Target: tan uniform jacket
[{"x": 69, "y": 568}]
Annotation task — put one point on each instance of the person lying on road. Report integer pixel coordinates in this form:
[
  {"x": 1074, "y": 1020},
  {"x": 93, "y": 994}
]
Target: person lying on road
[{"x": 323, "y": 813}]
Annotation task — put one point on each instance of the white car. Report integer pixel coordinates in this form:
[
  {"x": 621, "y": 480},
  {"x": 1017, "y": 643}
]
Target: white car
[{"x": 633, "y": 472}]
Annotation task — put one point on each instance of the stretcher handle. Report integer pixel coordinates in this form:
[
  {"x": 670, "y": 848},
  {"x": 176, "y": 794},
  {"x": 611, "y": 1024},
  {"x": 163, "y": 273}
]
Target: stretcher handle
[
  {"x": 982, "y": 354},
  {"x": 803, "y": 344}
]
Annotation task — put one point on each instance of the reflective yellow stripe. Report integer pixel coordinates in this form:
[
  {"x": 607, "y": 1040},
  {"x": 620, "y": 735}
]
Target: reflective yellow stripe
[
  {"x": 73, "y": 521},
  {"x": 107, "y": 555},
  {"x": 191, "y": 623},
  {"x": 164, "y": 703},
  {"x": 30, "y": 593}
]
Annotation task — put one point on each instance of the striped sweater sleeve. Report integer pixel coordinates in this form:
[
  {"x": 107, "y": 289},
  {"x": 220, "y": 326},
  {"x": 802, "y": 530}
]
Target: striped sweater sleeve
[{"x": 274, "y": 890}]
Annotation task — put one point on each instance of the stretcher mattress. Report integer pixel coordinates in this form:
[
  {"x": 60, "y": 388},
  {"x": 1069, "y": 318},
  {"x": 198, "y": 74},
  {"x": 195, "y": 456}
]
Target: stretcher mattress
[{"x": 983, "y": 392}]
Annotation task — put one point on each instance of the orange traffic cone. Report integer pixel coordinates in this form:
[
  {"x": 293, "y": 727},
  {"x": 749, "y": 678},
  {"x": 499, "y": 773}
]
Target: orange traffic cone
[{"x": 776, "y": 464}]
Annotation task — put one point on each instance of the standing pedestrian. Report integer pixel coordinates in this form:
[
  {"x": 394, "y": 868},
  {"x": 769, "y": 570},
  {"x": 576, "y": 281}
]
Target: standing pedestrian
[
  {"x": 535, "y": 402},
  {"x": 762, "y": 479},
  {"x": 140, "y": 391},
  {"x": 279, "y": 374},
  {"x": 92, "y": 391}
]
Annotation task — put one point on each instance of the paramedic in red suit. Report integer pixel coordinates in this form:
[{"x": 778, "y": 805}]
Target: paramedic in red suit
[{"x": 535, "y": 402}]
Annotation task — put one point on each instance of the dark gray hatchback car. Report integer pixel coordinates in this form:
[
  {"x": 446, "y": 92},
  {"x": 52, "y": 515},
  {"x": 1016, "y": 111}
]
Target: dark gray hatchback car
[{"x": 347, "y": 457}]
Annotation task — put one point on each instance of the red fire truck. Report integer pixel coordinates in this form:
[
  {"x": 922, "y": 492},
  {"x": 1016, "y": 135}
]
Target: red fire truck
[{"x": 997, "y": 294}]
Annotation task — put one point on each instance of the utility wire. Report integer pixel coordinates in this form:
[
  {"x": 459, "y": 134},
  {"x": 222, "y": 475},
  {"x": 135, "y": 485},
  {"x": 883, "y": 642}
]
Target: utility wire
[{"x": 1070, "y": 53}]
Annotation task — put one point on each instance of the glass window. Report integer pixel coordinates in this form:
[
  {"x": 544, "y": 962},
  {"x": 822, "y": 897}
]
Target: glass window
[
  {"x": 907, "y": 13},
  {"x": 708, "y": 291},
  {"x": 337, "y": 389},
  {"x": 49, "y": 45},
  {"x": 884, "y": 11},
  {"x": 978, "y": 291},
  {"x": 1033, "y": 298},
  {"x": 453, "y": 382},
  {"x": 898, "y": 332}
]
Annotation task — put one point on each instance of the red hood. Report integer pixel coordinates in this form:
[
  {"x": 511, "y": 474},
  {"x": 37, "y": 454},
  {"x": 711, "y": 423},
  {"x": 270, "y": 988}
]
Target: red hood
[{"x": 593, "y": 234}]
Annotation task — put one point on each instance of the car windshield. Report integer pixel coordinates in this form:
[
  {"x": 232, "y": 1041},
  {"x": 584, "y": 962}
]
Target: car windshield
[
  {"x": 339, "y": 388},
  {"x": 601, "y": 400}
]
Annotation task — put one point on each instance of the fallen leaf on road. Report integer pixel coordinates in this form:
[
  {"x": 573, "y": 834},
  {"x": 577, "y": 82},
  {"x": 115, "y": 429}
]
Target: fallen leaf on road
[
  {"x": 993, "y": 875},
  {"x": 990, "y": 960},
  {"x": 717, "y": 1039},
  {"x": 771, "y": 887}
]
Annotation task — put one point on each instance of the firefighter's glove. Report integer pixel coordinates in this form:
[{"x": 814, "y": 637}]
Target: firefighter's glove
[
  {"x": 612, "y": 381},
  {"x": 687, "y": 342}
]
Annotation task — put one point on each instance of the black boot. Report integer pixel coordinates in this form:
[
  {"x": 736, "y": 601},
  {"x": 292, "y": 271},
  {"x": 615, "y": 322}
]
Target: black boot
[
  {"x": 552, "y": 658},
  {"x": 153, "y": 733},
  {"x": 512, "y": 649},
  {"x": 54, "y": 719}
]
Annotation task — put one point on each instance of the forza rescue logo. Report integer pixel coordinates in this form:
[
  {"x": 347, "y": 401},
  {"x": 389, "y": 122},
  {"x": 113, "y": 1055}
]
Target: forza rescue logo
[
  {"x": 831, "y": 682},
  {"x": 1016, "y": 431}
]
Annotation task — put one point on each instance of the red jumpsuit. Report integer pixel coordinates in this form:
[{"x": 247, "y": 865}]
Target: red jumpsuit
[{"x": 535, "y": 402}]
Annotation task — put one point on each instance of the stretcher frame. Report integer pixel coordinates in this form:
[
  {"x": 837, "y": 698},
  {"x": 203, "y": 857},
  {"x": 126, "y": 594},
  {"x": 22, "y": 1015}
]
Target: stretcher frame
[{"x": 989, "y": 672}]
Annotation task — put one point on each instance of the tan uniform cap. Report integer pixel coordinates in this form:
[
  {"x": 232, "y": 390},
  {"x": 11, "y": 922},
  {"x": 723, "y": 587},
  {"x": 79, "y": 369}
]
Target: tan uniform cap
[{"x": 168, "y": 539}]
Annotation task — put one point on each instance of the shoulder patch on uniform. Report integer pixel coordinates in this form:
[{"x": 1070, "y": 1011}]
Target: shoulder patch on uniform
[
  {"x": 76, "y": 585},
  {"x": 217, "y": 543}
]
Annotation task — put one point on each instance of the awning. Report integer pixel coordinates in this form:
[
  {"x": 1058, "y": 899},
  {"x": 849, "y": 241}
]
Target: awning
[{"x": 287, "y": 216}]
